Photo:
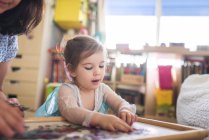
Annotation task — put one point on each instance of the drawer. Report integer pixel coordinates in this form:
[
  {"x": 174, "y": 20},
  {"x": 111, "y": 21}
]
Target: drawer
[
  {"x": 28, "y": 114},
  {"x": 31, "y": 44},
  {"x": 26, "y": 61},
  {"x": 27, "y": 46},
  {"x": 20, "y": 88},
  {"x": 22, "y": 74},
  {"x": 27, "y": 102}
]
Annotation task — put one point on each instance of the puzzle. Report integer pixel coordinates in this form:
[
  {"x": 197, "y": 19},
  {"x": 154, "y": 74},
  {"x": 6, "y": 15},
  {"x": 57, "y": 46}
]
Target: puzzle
[
  {"x": 56, "y": 128},
  {"x": 64, "y": 131}
]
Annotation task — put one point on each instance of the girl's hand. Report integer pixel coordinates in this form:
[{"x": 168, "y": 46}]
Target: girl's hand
[
  {"x": 110, "y": 122},
  {"x": 127, "y": 116}
]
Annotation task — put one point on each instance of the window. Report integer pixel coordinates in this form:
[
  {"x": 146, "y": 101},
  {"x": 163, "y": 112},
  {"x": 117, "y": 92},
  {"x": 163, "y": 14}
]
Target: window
[
  {"x": 133, "y": 30},
  {"x": 134, "y": 22},
  {"x": 130, "y": 22}
]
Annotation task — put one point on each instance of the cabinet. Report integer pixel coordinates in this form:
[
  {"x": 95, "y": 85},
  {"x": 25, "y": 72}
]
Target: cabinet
[
  {"x": 174, "y": 56},
  {"x": 25, "y": 78}
]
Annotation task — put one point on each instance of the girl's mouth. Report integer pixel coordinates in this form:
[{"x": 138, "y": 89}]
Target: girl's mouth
[{"x": 95, "y": 81}]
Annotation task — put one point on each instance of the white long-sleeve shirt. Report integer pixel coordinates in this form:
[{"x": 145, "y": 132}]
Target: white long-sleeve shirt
[{"x": 71, "y": 106}]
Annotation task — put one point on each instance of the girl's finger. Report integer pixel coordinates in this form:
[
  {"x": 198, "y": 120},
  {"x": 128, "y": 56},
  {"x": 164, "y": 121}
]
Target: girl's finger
[
  {"x": 122, "y": 128},
  {"x": 133, "y": 119},
  {"x": 112, "y": 128},
  {"x": 123, "y": 116},
  {"x": 126, "y": 126},
  {"x": 129, "y": 118}
]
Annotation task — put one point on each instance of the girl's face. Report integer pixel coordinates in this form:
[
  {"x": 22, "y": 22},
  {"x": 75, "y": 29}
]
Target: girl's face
[
  {"x": 8, "y": 4},
  {"x": 90, "y": 71}
]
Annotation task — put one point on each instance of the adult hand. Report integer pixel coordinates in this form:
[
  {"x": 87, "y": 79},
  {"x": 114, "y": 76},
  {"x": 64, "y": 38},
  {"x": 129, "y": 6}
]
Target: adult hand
[
  {"x": 3, "y": 96},
  {"x": 11, "y": 120},
  {"x": 110, "y": 122},
  {"x": 16, "y": 104},
  {"x": 11, "y": 101},
  {"x": 127, "y": 116}
]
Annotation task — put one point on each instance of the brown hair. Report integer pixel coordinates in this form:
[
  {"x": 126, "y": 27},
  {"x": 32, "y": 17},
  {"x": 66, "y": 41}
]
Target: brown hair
[
  {"x": 80, "y": 47},
  {"x": 22, "y": 18}
]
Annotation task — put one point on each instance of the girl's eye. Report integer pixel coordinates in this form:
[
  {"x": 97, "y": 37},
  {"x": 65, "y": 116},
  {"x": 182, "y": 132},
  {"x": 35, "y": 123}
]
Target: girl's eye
[
  {"x": 88, "y": 68},
  {"x": 101, "y": 66}
]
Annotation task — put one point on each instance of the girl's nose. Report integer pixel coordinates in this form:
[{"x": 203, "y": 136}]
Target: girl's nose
[{"x": 97, "y": 71}]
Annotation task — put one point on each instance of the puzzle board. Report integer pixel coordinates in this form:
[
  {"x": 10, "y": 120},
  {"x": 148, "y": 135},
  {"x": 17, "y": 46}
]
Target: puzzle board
[{"x": 146, "y": 129}]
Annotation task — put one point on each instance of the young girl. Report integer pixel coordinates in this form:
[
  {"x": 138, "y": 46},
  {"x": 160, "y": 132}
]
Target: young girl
[{"x": 86, "y": 100}]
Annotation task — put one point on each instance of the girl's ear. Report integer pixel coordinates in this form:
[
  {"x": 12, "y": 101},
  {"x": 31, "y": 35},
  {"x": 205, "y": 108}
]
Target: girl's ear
[
  {"x": 71, "y": 71},
  {"x": 72, "y": 74}
]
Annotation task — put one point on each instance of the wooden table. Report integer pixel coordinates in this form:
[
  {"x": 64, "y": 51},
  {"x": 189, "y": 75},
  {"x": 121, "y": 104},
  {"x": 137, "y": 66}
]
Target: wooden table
[{"x": 146, "y": 129}]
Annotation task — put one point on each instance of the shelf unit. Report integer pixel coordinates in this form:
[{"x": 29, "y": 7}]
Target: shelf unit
[
  {"x": 154, "y": 54},
  {"x": 179, "y": 54},
  {"x": 123, "y": 86}
]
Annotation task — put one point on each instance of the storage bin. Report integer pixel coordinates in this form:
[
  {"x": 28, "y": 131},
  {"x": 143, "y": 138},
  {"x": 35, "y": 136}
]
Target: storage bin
[
  {"x": 71, "y": 13},
  {"x": 50, "y": 87},
  {"x": 164, "y": 97},
  {"x": 132, "y": 79},
  {"x": 165, "y": 77}
]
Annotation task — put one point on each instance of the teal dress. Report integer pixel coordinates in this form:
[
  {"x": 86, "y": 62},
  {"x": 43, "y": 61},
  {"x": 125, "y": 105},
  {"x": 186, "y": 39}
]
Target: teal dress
[{"x": 50, "y": 106}]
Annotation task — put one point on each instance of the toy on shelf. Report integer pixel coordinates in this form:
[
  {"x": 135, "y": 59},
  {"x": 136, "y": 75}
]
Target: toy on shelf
[
  {"x": 57, "y": 66},
  {"x": 165, "y": 93}
]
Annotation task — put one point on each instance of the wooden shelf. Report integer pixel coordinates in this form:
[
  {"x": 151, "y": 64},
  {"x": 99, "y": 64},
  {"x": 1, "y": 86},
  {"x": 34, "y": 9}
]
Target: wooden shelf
[
  {"x": 197, "y": 53},
  {"x": 132, "y": 52},
  {"x": 176, "y": 50},
  {"x": 123, "y": 83},
  {"x": 155, "y": 49},
  {"x": 130, "y": 84}
]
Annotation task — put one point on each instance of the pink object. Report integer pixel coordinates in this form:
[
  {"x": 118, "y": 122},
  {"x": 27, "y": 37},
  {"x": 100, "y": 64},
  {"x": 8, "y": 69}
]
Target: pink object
[{"x": 165, "y": 77}]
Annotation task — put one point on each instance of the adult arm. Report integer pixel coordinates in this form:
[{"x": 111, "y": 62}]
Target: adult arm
[
  {"x": 3, "y": 71},
  {"x": 8, "y": 50}
]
